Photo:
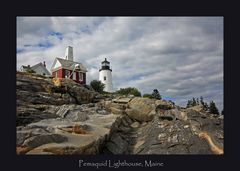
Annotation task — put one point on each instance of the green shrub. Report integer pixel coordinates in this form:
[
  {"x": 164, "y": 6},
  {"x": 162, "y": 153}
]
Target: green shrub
[
  {"x": 148, "y": 96},
  {"x": 98, "y": 86},
  {"x": 129, "y": 91}
]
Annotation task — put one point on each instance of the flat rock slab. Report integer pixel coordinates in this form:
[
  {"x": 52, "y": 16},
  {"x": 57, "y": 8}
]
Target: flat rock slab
[
  {"x": 122, "y": 100},
  {"x": 87, "y": 143}
]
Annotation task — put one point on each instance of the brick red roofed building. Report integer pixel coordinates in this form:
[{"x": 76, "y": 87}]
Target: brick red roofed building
[{"x": 67, "y": 68}]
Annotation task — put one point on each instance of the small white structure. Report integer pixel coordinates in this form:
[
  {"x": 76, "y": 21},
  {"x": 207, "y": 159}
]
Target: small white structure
[
  {"x": 39, "y": 68},
  {"x": 105, "y": 76},
  {"x": 69, "y": 53}
]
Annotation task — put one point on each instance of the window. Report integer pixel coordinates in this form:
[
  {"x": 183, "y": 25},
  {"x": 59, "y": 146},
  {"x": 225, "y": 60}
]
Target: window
[
  {"x": 105, "y": 64},
  {"x": 56, "y": 74},
  {"x": 74, "y": 76},
  {"x": 67, "y": 74},
  {"x": 105, "y": 78},
  {"x": 80, "y": 76}
]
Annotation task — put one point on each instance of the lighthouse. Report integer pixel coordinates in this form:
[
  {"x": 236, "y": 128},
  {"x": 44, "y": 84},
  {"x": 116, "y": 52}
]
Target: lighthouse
[{"x": 105, "y": 76}]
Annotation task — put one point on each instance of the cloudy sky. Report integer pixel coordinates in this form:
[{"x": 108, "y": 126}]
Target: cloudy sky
[{"x": 182, "y": 57}]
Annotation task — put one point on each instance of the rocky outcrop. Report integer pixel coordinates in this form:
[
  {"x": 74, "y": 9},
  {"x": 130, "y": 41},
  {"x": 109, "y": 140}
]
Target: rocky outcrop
[
  {"x": 170, "y": 130},
  {"x": 164, "y": 137},
  {"x": 27, "y": 114},
  {"x": 144, "y": 109},
  {"x": 37, "y": 89},
  {"x": 36, "y": 94},
  {"x": 73, "y": 119}
]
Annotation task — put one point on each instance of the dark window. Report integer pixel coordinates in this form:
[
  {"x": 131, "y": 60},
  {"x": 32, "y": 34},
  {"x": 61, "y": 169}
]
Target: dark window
[
  {"x": 80, "y": 76},
  {"x": 105, "y": 78},
  {"x": 67, "y": 74}
]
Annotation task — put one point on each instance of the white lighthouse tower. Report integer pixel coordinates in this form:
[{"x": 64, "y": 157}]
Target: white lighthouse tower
[{"x": 105, "y": 76}]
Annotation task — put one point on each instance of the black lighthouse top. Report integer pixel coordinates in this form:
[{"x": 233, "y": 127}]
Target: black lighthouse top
[{"x": 105, "y": 65}]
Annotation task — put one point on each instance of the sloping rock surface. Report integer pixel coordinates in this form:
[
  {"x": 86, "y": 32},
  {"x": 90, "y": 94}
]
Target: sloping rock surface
[
  {"x": 77, "y": 120},
  {"x": 36, "y": 94}
]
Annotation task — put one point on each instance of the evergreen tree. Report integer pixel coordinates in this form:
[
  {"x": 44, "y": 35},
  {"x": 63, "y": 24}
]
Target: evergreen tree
[
  {"x": 156, "y": 94},
  {"x": 205, "y": 106},
  {"x": 222, "y": 112},
  {"x": 201, "y": 101},
  {"x": 197, "y": 101},
  {"x": 212, "y": 108},
  {"x": 188, "y": 104},
  {"x": 194, "y": 103}
]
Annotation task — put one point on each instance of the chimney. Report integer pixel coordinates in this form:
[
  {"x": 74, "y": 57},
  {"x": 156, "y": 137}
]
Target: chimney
[
  {"x": 69, "y": 53},
  {"x": 28, "y": 66},
  {"x": 44, "y": 64}
]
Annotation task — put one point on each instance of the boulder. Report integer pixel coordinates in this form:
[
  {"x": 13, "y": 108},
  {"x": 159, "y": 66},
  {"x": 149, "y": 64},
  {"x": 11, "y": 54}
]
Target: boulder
[
  {"x": 173, "y": 114},
  {"x": 139, "y": 115},
  {"x": 163, "y": 105},
  {"x": 141, "y": 109}
]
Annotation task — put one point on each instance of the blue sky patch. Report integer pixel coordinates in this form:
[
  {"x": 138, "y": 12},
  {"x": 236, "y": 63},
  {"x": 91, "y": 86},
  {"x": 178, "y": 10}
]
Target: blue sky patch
[
  {"x": 56, "y": 34},
  {"x": 85, "y": 29},
  {"x": 168, "y": 98},
  {"x": 44, "y": 44},
  {"x": 19, "y": 50}
]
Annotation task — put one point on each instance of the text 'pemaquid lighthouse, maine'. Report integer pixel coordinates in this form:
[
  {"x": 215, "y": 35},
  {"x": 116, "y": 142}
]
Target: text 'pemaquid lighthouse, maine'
[{"x": 105, "y": 76}]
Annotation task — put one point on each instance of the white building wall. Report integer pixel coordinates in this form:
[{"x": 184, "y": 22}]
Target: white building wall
[
  {"x": 108, "y": 81},
  {"x": 58, "y": 64}
]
